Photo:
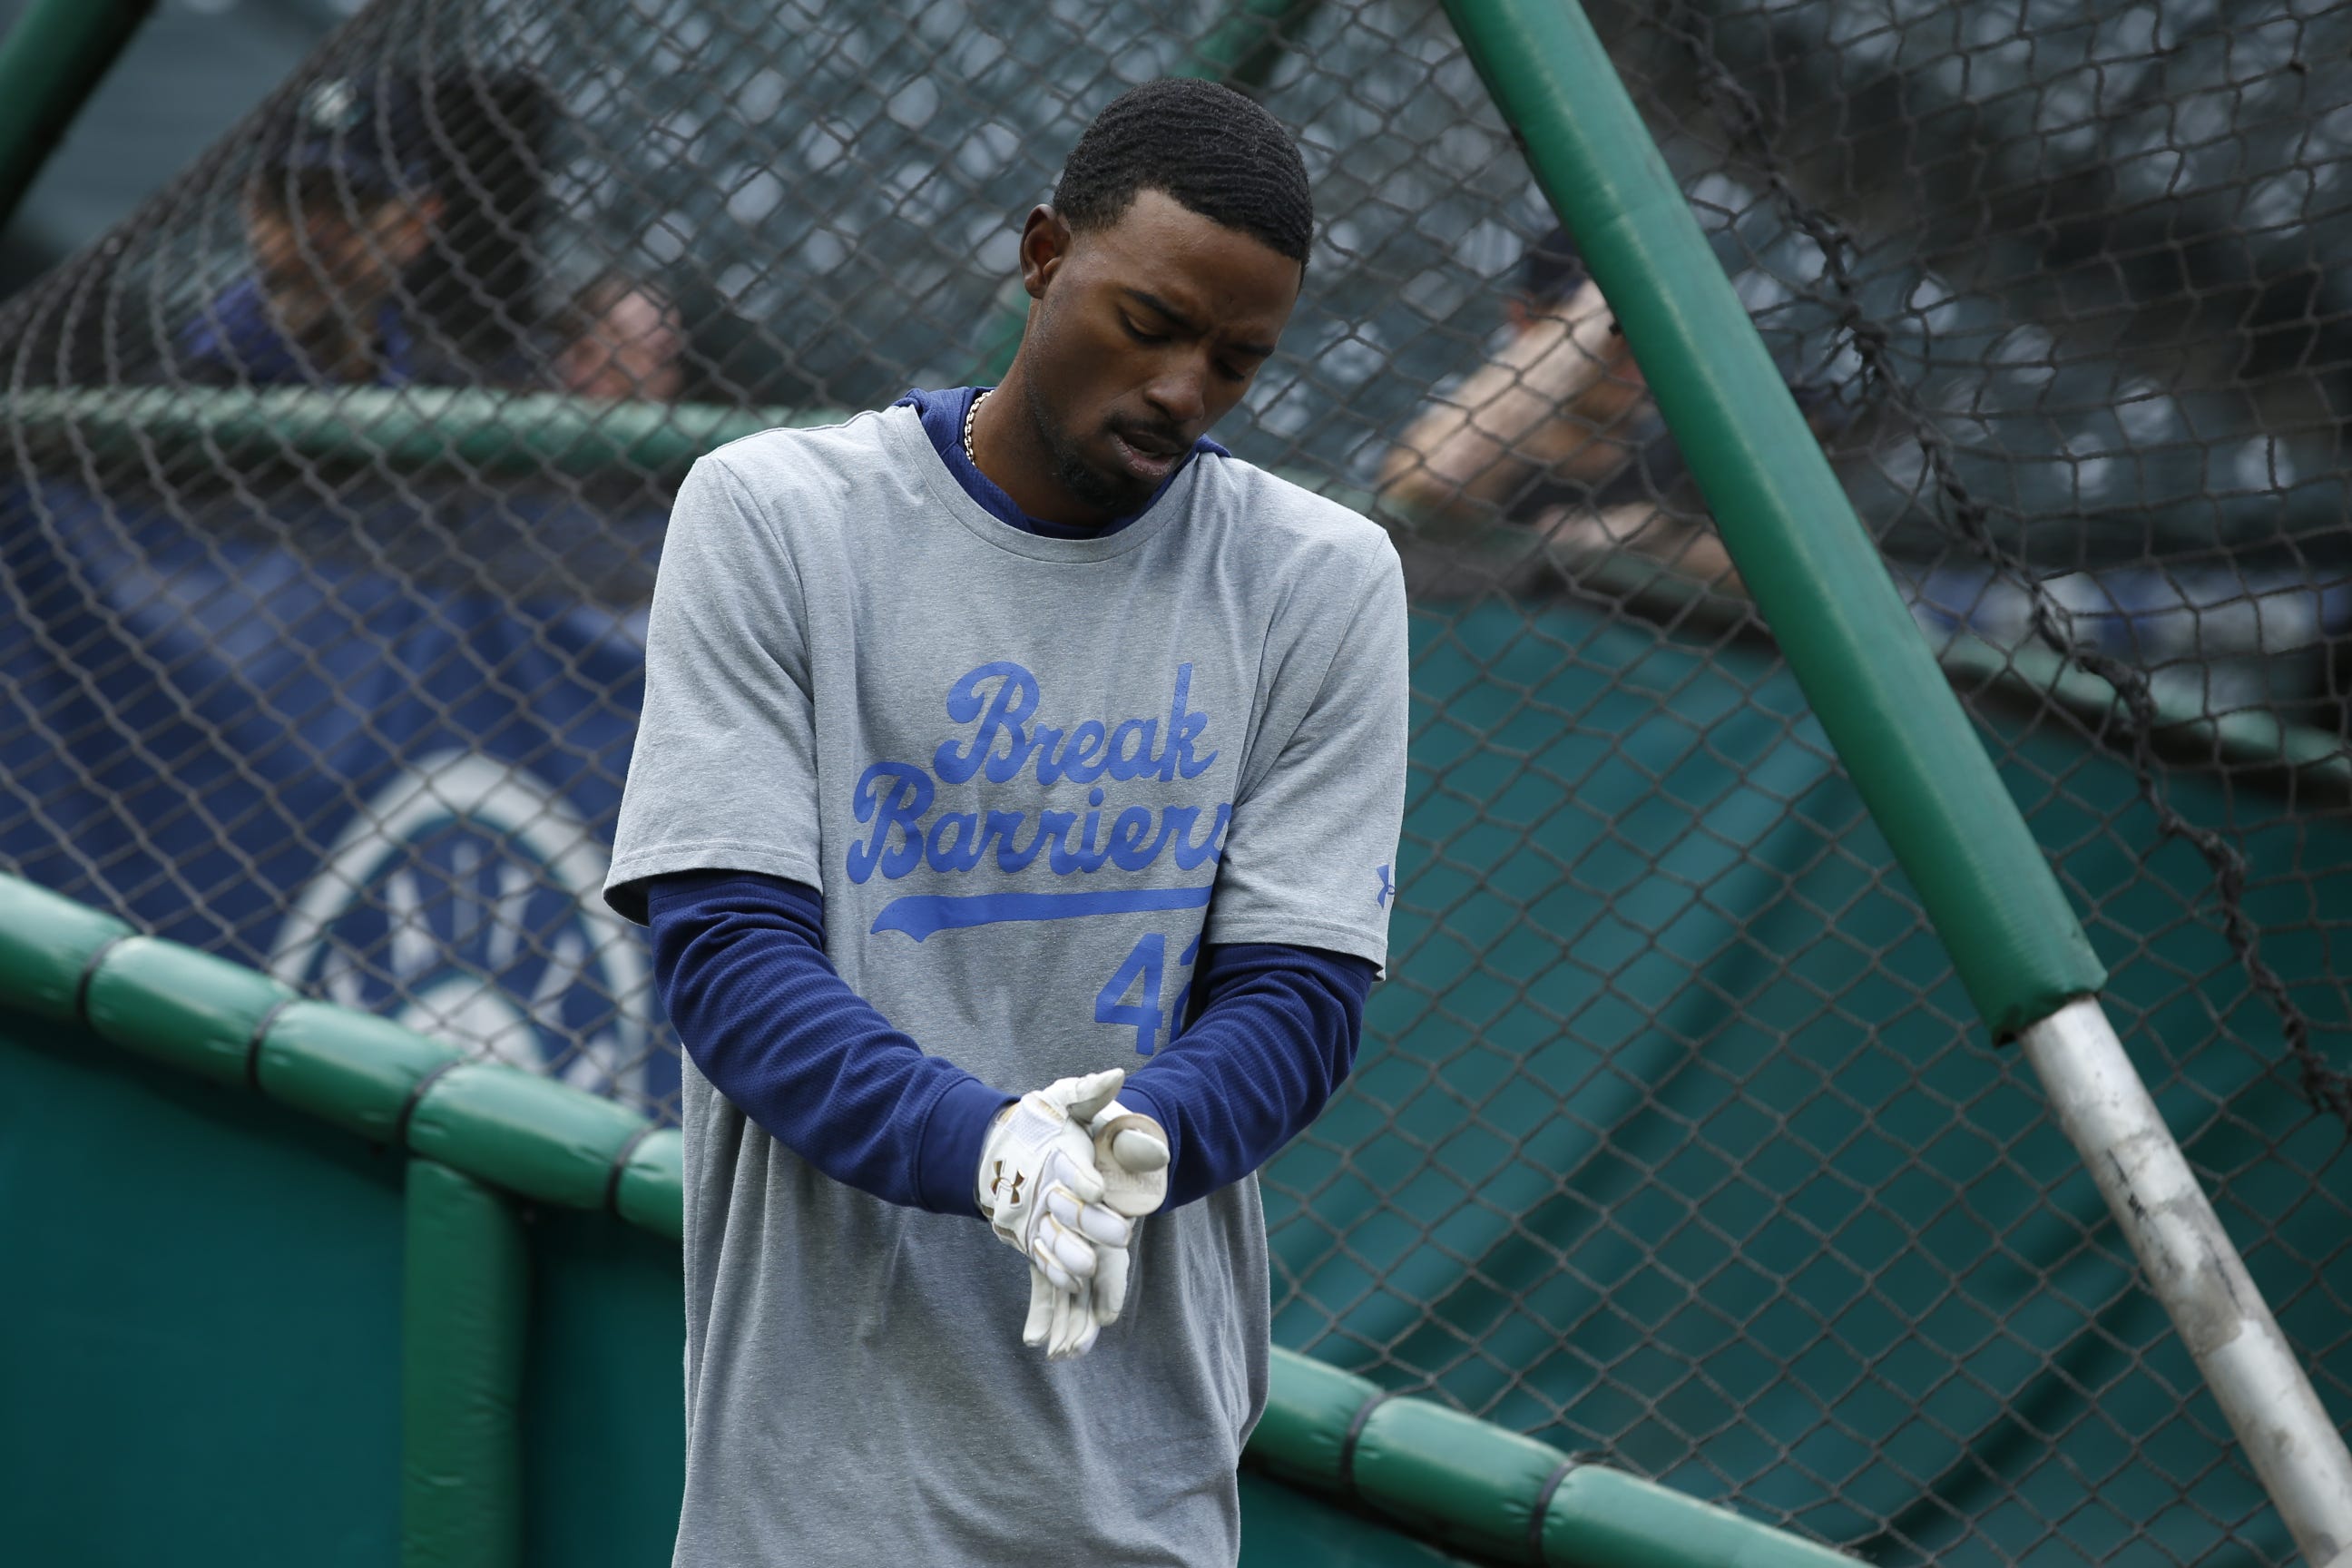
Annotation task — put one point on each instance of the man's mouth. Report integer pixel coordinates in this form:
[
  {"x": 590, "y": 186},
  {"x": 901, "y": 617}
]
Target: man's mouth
[{"x": 1148, "y": 455}]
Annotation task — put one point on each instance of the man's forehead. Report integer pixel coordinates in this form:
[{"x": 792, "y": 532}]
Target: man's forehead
[{"x": 1180, "y": 258}]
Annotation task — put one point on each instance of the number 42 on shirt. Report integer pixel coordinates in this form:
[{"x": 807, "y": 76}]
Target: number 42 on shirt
[{"x": 1144, "y": 969}]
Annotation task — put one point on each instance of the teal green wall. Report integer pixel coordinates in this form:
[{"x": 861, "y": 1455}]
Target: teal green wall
[
  {"x": 1675, "y": 1140},
  {"x": 604, "y": 1411},
  {"x": 200, "y": 1331},
  {"x": 200, "y": 1346}
]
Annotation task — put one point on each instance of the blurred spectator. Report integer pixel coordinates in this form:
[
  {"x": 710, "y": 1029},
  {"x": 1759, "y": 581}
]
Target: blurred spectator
[
  {"x": 341, "y": 205},
  {"x": 388, "y": 234},
  {"x": 1557, "y": 431},
  {"x": 618, "y": 338}
]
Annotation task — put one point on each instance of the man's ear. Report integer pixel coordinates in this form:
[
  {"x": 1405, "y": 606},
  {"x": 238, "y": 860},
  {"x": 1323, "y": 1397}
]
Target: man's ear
[{"x": 1044, "y": 242}]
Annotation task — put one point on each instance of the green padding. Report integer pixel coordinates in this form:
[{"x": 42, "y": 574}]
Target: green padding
[
  {"x": 463, "y": 1307},
  {"x": 45, "y": 944},
  {"x": 528, "y": 1134},
  {"x": 351, "y": 1070},
  {"x": 1471, "y": 1485},
  {"x": 1602, "y": 1518},
  {"x": 1453, "y": 1477},
  {"x": 1308, "y": 1406},
  {"x": 1864, "y": 667},
  {"x": 653, "y": 1184},
  {"x": 181, "y": 1006},
  {"x": 412, "y": 427},
  {"x": 1457, "y": 1478}
]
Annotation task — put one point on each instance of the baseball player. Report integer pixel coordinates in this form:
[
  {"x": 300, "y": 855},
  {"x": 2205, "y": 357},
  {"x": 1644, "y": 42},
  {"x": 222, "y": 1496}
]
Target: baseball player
[{"x": 1015, "y": 809}]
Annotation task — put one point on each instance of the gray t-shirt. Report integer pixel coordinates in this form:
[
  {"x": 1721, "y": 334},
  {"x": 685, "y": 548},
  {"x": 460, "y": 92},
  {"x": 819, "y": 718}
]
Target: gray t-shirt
[{"x": 1031, "y": 777}]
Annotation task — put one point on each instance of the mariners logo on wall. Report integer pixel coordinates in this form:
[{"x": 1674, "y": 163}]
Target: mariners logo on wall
[{"x": 465, "y": 900}]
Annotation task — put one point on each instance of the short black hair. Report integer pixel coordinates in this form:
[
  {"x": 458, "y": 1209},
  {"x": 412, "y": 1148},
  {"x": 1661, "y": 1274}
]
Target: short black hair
[{"x": 1213, "y": 151}]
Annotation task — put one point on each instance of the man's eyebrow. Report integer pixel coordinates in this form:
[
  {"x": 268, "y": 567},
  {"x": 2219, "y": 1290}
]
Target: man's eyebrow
[{"x": 1184, "y": 323}]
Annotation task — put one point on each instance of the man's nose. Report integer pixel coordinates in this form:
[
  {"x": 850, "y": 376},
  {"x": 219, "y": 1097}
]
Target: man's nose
[{"x": 1181, "y": 390}]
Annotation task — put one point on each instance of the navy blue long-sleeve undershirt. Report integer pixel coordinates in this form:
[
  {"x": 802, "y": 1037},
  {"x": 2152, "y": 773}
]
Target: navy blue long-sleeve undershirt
[{"x": 740, "y": 961}]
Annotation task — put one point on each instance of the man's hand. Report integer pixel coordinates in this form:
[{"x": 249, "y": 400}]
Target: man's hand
[{"x": 1038, "y": 1188}]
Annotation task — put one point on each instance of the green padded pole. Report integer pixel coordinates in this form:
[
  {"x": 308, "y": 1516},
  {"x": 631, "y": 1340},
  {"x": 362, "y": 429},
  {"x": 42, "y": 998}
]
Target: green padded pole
[
  {"x": 463, "y": 1296},
  {"x": 1815, "y": 574},
  {"x": 50, "y": 62},
  {"x": 1896, "y": 726}
]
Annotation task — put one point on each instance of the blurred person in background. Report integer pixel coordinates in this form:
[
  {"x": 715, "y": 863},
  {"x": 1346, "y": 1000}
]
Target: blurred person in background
[
  {"x": 341, "y": 205},
  {"x": 619, "y": 338},
  {"x": 388, "y": 236},
  {"x": 1557, "y": 431}
]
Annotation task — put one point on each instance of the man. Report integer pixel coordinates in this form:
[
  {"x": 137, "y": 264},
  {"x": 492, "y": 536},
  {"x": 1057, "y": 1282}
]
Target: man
[
  {"x": 388, "y": 230},
  {"x": 1028, "y": 728},
  {"x": 339, "y": 206},
  {"x": 1557, "y": 431}
]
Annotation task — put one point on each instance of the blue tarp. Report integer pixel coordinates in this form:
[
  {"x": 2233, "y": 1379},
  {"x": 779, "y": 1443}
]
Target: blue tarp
[{"x": 397, "y": 794}]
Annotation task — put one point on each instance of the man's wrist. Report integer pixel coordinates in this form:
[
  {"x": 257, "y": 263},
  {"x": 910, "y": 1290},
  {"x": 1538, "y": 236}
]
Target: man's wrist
[{"x": 953, "y": 1135}]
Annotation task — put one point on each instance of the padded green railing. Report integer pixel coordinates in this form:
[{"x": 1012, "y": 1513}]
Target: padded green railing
[{"x": 482, "y": 1136}]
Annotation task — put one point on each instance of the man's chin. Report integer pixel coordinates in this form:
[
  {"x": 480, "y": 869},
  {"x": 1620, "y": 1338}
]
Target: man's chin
[{"x": 1114, "y": 494}]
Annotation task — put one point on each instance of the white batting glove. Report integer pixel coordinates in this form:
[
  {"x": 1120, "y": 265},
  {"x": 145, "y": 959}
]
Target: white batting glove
[
  {"x": 1038, "y": 1188},
  {"x": 1063, "y": 1322},
  {"x": 1132, "y": 1159}
]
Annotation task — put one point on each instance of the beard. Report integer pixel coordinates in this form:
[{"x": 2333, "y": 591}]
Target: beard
[{"x": 1117, "y": 493}]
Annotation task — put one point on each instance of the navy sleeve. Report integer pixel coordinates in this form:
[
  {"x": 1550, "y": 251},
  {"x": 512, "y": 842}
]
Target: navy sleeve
[
  {"x": 740, "y": 961},
  {"x": 1274, "y": 1033}
]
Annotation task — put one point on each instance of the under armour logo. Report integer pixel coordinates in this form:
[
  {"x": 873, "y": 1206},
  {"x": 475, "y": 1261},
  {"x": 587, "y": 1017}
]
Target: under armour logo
[
  {"x": 1387, "y": 888},
  {"x": 996, "y": 1187}
]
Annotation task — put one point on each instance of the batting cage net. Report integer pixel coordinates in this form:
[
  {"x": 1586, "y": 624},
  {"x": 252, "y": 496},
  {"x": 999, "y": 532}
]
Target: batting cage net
[{"x": 335, "y": 488}]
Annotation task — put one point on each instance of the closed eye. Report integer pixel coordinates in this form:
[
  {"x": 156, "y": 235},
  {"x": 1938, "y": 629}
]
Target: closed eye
[{"x": 1140, "y": 335}]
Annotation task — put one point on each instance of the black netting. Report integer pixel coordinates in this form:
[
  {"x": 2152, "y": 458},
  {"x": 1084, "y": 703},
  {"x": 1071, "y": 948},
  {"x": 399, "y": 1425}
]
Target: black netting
[{"x": 336, "y": 482}]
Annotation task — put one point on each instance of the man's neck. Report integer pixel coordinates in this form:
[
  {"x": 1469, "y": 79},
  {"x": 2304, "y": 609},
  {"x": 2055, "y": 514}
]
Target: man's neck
[{"x": 1007, "y": 447}]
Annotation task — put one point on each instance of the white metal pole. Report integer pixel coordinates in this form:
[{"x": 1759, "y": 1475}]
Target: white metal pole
[{"x": 2198, "y": 1276}]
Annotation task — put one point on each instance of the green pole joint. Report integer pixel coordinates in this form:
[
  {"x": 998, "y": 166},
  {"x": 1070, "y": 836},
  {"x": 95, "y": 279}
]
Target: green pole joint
[
  {"x": 1852, "y": 644},
  {"x": 463, "y": 1304},
  {"x": 50, "y": 63}
]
